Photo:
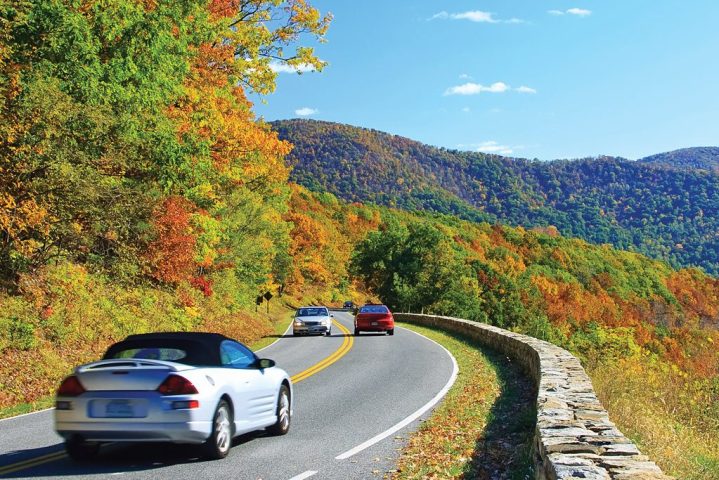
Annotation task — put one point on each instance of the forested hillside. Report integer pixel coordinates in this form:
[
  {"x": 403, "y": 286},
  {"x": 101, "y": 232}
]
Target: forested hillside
[
  {"x": 672, "y": 214},
  {"x": 697, "y": 158}
]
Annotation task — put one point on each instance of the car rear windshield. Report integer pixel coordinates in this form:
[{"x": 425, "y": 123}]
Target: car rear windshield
[
  {"x": 172, "y": 350},
  {"x": 312, "y": 312},
  {"x": 152, "y": 353},
  {"x": 374, "y": 309}
]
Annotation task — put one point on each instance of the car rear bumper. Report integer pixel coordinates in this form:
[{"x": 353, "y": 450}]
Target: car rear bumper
[
  {"x": 155, "y": 418},
  {"x": 184, "y": 432},
  {"x": 380, "y": 327},
  {"x": 305, "y": 330}
]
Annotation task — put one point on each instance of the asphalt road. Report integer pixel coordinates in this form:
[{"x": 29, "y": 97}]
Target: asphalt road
[{"x": 341, "y": 429}]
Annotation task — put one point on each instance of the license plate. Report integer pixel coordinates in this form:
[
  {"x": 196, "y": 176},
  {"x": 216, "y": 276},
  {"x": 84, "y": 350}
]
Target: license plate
[
  {"x": 119, "y": 409},
  {"x": 374, "y": 324}
]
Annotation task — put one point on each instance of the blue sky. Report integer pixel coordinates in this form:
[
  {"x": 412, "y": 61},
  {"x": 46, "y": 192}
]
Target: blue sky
[{"x": 534, "y": 78}]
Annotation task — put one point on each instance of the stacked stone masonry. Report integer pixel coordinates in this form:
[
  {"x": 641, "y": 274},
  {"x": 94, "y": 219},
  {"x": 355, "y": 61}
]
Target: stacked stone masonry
[{"x": 574, "y": 438}]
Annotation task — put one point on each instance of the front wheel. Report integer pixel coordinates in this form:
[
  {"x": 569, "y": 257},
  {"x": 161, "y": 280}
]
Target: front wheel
[
  {"x": 328, "y": 332},
  {"x": 220, "y": 441},
  {"x": 80, "y": 450},
  {"x": 356, "y": 332},
  {"x": 282, "y": 426}
]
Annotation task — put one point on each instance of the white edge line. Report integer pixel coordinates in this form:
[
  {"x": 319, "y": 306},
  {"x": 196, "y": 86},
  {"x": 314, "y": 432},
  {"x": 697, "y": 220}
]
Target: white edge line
[
  {"x": 379, "y": 437},
  {"x": 304, "y": 475},
  {"x": 26, "y": 414},
  {"x": 277, "y": 340}
]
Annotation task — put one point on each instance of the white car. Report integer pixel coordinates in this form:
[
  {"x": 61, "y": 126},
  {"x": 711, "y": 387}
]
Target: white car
[
  {"x": 312, "y": 320},
  {"x": 197, "y": 388}
]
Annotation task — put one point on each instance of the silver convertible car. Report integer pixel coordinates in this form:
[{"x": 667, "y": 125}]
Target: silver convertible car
[{"x": 197, "y": 388}]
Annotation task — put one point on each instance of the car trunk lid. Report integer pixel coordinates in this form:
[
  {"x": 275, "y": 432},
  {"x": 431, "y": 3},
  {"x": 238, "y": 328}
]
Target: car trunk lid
[{"x": 126, "y": 374}]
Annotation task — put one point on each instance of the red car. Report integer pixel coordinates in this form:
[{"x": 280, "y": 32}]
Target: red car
[{"x": 374, "y": 318}]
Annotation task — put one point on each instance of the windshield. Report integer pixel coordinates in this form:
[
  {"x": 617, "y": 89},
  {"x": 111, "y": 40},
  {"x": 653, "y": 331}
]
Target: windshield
[
  {"x": 152, "y": 353},
  {"x": 374, "y": 309},
  {"x": 181, "y": 351},
  {"x": 312, "y": 312}
]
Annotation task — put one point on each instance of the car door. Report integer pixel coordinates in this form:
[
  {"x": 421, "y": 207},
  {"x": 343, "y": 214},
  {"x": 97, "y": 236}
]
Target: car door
[{"x": 252, "y": 389}]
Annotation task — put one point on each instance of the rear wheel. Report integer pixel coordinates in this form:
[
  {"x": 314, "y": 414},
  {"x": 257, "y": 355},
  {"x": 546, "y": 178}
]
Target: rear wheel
[
  {"x": 282, "y": 426},
  {"x": 390, "y": 331},
  {"x": 356, "y": 332},
  {"x": 220, "y": 441},
  {"x": 80, "y": 450}
]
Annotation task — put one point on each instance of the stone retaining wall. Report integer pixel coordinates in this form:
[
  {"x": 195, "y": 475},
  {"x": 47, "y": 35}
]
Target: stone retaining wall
[{"x": 574, "y": 438}]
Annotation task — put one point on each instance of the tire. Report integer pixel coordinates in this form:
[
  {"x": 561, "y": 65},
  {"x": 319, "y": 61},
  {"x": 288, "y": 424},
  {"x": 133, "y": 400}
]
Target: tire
[
  {"x": 328, "y": 332},
  {"x": 390, "y": 331},
  {"x": 282, "y": 426},
  {"x": 81, "y": 451},
  {"x": 356, "y": 332},
  {"x": 217, "y": 446}
]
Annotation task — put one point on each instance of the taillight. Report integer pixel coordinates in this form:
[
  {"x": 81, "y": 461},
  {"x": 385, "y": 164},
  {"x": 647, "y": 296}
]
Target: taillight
[
  {"x": 176, "y": 385},
  {"x": 70, "y": 387}
]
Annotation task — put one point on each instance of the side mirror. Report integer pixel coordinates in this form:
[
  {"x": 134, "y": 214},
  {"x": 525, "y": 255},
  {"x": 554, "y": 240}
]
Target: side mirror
[{"x": 263, "y": 363}]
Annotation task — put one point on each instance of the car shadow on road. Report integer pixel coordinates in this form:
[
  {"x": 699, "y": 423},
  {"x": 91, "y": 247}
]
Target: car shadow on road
[{"x": 113, "y": 459}]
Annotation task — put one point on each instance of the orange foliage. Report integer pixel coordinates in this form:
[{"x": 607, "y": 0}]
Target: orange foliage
[
  {"x": 172, "y": 253},
  {"x": 697, "y": 294}
]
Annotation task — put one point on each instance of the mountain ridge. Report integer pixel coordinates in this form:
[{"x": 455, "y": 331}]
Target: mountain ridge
[{"x": 667, "y": 213}]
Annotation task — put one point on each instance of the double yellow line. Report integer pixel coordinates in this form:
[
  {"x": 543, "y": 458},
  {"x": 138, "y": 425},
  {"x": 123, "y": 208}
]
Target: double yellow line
[
  {"x": 339, "y": 353},
  {"x": 32, "y": 462}
]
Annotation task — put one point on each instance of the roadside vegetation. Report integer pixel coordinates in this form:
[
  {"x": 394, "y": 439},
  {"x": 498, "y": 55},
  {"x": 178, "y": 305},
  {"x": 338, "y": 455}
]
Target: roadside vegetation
[
  {"x": 484, "y": 426},
  {"x": 671, "y": 416}
]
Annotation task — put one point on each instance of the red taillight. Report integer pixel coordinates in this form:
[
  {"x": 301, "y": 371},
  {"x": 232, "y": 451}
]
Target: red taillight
[
  {"x": 177, "y": 385},
  {"x": 70, "y": 387}
]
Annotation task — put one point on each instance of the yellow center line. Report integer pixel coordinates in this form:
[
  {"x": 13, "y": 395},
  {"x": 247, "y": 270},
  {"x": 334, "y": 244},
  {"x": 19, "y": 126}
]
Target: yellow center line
[
  {"x": 32, "y": 462},
  {"x": 339, "y": 353},
  {"x": 346, "y": 346}
]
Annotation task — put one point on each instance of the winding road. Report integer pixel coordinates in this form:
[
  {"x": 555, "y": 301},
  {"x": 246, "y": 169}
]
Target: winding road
[{"x": 356, "y": 399}]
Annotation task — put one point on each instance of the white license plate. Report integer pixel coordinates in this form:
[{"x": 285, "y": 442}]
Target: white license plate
[
  {"x": 119, "y": 409},
  {"x": 374, "y": 324}
]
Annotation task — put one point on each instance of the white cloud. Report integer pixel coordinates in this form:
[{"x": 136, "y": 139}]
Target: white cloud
[
  {"x": 306, "y": 111},
  {"x": 476, "y": 16},
  {"x": 579, "y": 12},
  {"x": 284, "y": 68},
  {"x": 464, "y": 76},
  {"x": 489, "y": 147},
  {"x": 471, "y": 88},
  {"x": 466, "y": 109},
  {"x": 525, "y": 89}
]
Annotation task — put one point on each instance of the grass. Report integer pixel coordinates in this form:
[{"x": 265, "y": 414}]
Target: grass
[
  {"x": 279, "y": 326},
  {"x": 23, "y": 408},
  {"x": 483, "y": 428},
  {"x": 670, "y": 420}
]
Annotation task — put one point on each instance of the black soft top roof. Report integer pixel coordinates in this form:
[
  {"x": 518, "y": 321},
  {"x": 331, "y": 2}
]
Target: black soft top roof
[{"x": 202, "y": 348}]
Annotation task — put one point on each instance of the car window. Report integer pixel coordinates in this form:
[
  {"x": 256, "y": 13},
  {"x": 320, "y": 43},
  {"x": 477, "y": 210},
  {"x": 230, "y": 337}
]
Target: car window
[
  {"x": 312, "y": 312},
  {"x": 152, "y": 353},
  {"x": 234, "y": 355},
  {"x": 374, "y": 309}
]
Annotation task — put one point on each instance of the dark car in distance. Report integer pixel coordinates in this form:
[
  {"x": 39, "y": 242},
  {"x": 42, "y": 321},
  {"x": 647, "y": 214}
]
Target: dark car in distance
[
  {"x": 374, "y": 318},
  {"x": 348, "y": 304}
]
